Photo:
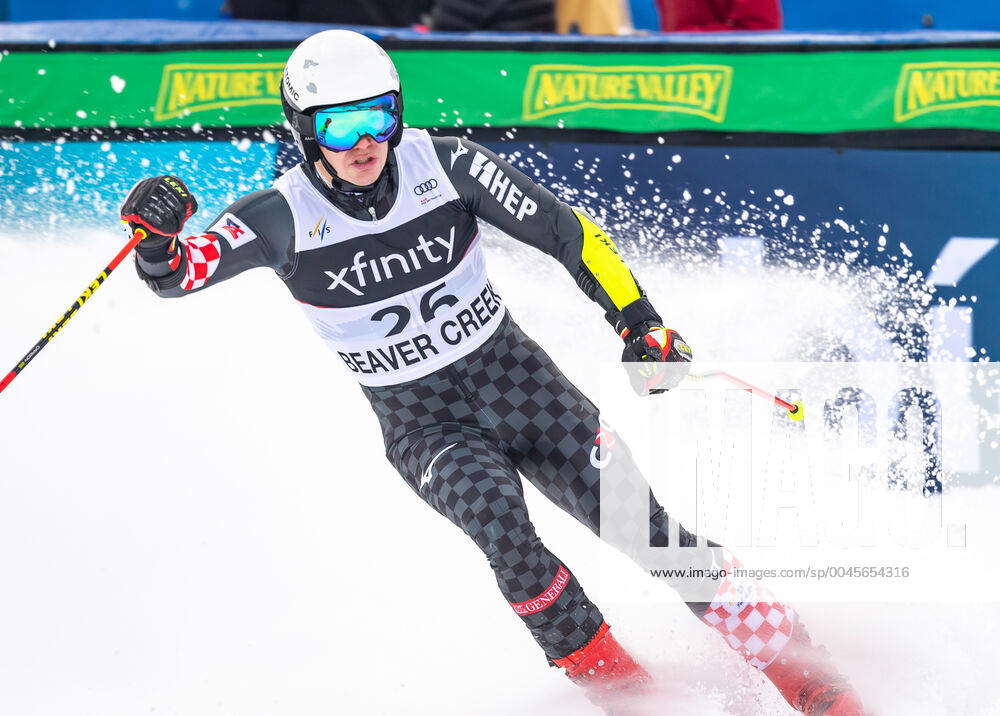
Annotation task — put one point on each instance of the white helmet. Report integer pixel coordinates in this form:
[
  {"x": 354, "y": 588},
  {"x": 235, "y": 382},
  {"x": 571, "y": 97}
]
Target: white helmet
[{"x": 329, "y": 68}]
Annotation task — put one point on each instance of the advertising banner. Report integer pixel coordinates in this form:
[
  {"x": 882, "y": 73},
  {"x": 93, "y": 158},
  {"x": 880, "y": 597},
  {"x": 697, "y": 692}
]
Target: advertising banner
[{"x": 781, "y": 91}]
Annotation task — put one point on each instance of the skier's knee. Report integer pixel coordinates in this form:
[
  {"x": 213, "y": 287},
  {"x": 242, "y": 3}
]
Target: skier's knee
[{"x": 505, "y": 541}]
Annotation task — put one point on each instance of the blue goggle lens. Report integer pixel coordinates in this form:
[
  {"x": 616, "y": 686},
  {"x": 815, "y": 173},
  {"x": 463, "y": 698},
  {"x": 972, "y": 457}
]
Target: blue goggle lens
[{"x": 339, "y": 128}]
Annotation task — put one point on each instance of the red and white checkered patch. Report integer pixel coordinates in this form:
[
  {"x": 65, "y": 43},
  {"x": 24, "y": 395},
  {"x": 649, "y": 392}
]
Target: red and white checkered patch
[
  {"x": 749, "y": 618},
  {"x": 203, "y": 256}
]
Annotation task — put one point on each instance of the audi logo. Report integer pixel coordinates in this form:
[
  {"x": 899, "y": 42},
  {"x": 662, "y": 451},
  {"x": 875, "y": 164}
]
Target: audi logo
[{"x": 425, "y": 187}]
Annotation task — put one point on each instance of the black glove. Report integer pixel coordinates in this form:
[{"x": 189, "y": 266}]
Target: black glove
[
  {"x": 161, "y": 205},
  {"x": 663, "y": 358}
]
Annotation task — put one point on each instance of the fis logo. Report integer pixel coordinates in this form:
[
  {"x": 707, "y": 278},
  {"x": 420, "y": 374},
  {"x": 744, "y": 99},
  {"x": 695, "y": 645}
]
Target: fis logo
[
  {"x": 500, "y": 186},
  {"x": 318, "y": 230}
]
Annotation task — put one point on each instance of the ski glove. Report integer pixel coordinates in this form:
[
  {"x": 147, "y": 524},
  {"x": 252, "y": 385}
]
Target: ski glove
[
  {"x": 160, "y": 204},
  {"x": 663, "y": 358}
]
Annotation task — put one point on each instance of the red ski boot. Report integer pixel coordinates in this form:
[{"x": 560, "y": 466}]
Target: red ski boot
[
  {"x": 771, "y": 638},
  {"x": 608, "y": 674},
  {"x": 806, "y": 677}
]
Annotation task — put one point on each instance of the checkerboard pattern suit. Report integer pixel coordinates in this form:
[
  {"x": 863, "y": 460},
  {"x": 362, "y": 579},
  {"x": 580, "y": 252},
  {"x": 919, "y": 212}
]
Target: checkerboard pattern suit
[{"x": 461, "y": 437}]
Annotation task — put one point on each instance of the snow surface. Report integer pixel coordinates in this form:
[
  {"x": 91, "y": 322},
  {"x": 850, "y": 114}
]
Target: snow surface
[{"x": 196, "y": 518}]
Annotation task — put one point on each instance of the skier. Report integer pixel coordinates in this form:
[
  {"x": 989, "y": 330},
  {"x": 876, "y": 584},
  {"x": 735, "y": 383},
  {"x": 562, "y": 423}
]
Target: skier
[{"x": 376, "y": 235}]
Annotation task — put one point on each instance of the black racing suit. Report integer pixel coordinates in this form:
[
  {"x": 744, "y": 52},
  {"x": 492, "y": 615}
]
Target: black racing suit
[{"x": 460, "y": 434}]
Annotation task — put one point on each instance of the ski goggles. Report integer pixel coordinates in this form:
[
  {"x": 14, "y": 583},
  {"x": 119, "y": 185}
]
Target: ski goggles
[{"x": 339, "y": 128}]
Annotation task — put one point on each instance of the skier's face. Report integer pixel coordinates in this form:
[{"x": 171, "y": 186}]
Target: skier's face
[{"x": 361, "y": 164}]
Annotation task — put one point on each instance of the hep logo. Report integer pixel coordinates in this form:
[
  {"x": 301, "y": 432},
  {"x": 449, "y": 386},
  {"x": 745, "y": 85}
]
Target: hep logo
[
  {"x": 234, "y": 229},
  {"x": 320, "y": 231},
  {"x": 425, "y": 187}
]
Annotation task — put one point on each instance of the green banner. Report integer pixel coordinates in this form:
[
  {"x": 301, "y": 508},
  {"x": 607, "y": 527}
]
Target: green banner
[{"x": 802, "y": 92}]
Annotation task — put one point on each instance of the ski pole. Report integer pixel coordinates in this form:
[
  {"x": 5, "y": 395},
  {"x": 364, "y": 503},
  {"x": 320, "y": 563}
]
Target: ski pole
[
  {"x": 137, "y": 236},
  {"x": 796, "y": 410}
]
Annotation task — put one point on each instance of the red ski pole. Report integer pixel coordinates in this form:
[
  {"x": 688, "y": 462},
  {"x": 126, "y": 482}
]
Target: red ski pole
[
  {"x": 796, "y": 411},
  {"x": 137, "y": 236}
]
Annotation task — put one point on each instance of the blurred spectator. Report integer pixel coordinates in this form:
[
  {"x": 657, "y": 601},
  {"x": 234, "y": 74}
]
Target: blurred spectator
[
  {"x": 498, "y": 15},
  {"x": 716, "y": 15},
  {"x": 382, "y": 13},
  {"x": 593, "y": 17}
]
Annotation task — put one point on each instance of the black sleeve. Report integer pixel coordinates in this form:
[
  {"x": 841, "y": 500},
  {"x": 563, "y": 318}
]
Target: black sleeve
[
  {"x": 503, "y": 196},
  {"x": 257, "y": 230}
]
